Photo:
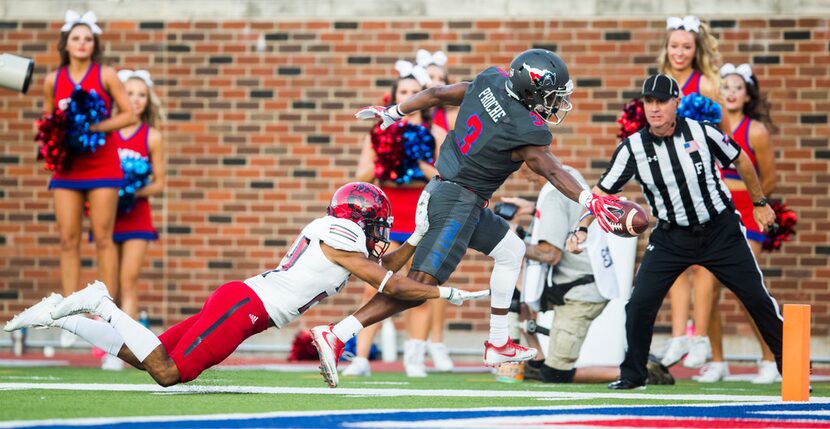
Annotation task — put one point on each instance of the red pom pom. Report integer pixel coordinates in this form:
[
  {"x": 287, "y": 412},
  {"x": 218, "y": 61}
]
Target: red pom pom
[
  {"x": 632, "y": 118},
  {"x": 784, "y": 228},
  {"x": 302, "y": 348},
  {"x": 50, "y": 135},
  {"x": 388, "y": 146}
]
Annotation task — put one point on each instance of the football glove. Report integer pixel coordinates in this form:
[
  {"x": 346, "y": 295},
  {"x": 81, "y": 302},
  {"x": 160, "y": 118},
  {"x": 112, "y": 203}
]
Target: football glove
[
  {"x": 600, "y": 207},
  {"x": 457, "y": 296},
  {"x": 388, "y": 116}
]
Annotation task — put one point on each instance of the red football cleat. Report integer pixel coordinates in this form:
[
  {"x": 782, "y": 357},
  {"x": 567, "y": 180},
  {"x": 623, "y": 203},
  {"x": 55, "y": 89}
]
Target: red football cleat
[
  {"x": 329, "y": 348},
  {"x": 509, "y": 352}
]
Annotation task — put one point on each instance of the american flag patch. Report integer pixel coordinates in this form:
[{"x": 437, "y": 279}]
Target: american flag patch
[
  {"x": 343, "y": 232},
  {"x": 691, "y": 146}
]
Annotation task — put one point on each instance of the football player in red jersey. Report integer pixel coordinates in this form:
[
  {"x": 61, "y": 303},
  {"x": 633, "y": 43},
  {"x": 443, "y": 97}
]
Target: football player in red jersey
[{"x": 351, "y": 239}]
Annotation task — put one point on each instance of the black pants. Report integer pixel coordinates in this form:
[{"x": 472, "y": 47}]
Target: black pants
[{"x": 721, "y": 248}]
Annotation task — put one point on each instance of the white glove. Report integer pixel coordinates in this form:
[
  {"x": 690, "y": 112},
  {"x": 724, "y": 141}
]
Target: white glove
[
  {"x": 388, "y": 116},
  {"x": 421, "y": 220},
  {"x": 458, "y": 296}
]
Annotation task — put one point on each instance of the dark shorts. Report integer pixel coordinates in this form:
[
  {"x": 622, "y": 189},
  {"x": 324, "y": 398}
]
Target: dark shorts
[{"x": 457, "y": 220}]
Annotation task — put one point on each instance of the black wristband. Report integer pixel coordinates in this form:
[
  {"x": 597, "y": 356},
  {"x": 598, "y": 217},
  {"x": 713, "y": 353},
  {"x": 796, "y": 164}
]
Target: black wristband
[
  {"x": 760, "y": 203},
  {"x": 583, "y": 229}
]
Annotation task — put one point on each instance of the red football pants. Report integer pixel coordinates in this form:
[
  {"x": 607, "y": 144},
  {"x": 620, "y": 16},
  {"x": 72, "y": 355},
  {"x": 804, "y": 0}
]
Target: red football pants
[{"x": 231, "y": 314}]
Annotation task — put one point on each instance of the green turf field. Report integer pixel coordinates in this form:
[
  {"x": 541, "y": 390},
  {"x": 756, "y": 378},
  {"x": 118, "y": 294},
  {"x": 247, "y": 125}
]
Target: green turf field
[{"x": 305, "y": 391}]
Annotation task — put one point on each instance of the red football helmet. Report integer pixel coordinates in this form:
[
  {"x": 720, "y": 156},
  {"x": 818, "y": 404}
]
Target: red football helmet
[{"x": 367, "y": 206}]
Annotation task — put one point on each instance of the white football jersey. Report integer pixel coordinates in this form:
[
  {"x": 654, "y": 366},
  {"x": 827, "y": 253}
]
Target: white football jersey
[{"x": 305, "y": 276}]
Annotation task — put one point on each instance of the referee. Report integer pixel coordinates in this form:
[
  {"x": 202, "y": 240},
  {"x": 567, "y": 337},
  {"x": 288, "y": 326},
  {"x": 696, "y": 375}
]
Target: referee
[{"x": 673, "y": 159}]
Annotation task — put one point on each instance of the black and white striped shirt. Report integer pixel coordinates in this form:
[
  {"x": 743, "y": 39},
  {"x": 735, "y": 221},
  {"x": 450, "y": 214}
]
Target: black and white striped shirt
[{"x": 677, "y": 173}]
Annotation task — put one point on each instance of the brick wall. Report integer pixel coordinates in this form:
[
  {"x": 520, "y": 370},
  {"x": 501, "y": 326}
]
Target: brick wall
[{"x": 260, "y": 132}]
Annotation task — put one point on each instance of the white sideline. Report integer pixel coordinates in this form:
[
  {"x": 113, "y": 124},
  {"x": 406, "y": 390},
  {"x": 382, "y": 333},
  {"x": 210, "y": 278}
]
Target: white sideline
[{"x": 543, "y": 395}]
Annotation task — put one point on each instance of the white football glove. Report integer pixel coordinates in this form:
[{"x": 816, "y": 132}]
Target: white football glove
[
  {"x": 421, "y": 220},
  {"x": 457, "y": 296},
  {"x": 388, "y": 116}
]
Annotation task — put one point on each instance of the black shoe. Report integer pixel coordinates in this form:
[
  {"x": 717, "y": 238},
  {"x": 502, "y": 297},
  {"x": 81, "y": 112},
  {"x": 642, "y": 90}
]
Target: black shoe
[
  {"x": 657, "y": 372},
  {"x": 533, "y": 372},
  {"x": 624, "y": 384}
]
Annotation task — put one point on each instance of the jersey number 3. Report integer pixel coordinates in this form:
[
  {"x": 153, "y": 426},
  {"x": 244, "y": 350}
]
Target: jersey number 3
[{"x": 474, "y": 128}]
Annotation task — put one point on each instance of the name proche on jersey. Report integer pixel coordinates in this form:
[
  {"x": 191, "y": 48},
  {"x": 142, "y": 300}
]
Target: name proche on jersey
[{"x": 491, "y": 105}]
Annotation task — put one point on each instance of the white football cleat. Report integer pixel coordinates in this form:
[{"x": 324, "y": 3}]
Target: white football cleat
[
  {"x": 67, "y": 338},
  {"x": 678, "y": 347},
  {"x": 85, "y": 300},
  {"x": 712, "y": 372},
  {"x": 112, "y": 363},
  {"x": 509, "y": 352},
  {"x": 699, "y": 352},
  {"x": 358, "y": 368},
  {"x": 329, "y": 349},
  {"x": 413, "y": 358},
  {"x": 36, "y": 316},
  {"x": 440, "y": 357},
  {"x": 767, "y": 373}
]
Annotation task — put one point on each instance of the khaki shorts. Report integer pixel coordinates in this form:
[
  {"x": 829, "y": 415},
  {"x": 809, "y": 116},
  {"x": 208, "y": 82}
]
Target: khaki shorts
[{"x": 570, "y": 326}]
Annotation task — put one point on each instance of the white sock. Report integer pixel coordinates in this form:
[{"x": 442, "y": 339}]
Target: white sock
[
  {"x": 347, "y": 328},
  {"x": 498, "y": 329},
  {"x": 507, "y": 256},
  {"x": 140, "y": 340},
  {"x": 99, "y": 334}
]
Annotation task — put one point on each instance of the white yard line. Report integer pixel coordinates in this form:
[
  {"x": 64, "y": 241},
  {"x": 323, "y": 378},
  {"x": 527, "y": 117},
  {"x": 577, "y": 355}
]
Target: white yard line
[{"x": 189, "y": 389}]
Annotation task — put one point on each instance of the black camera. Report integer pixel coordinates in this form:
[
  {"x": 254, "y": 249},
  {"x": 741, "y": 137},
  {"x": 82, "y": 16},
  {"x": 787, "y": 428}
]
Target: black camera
[{"x": 505, "y": 210}]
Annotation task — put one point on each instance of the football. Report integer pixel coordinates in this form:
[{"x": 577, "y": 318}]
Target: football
[{"x": 633, "y": 220}]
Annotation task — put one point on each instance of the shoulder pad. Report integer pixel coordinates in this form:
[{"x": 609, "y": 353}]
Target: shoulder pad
[{"x": 342, "y": 234}]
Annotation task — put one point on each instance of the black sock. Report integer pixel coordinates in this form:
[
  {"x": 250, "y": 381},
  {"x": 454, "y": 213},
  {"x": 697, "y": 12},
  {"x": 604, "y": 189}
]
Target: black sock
[
  {"x": 535, "y": 363},
  {"x": 553, "y": 375}
]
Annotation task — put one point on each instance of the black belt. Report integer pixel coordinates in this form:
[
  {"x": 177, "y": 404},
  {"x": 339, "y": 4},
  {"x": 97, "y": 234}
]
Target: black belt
[
  {"x": 697, "y": 228},
  {"x": 485, "y": 202}
]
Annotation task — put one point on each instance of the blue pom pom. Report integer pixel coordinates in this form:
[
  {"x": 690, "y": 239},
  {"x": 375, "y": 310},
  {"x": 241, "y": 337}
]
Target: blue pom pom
[
  {"x": 84, "y": 110},
  {"x": 418, "y": 145},
  {"x": 699, "y": 108},
  {"x": 137, "y": 173}
]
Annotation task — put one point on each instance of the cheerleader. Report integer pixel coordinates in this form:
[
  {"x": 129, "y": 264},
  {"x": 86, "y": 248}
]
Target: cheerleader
[
  {"x": 92, "y": 177},
  {"x": 690, "y": 55},
  {"x": 383, "y": 160},
  {"x": 749, "y": 109}
]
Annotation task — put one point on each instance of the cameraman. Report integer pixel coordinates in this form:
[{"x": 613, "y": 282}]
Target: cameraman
[{"x": 565, "y": 282}]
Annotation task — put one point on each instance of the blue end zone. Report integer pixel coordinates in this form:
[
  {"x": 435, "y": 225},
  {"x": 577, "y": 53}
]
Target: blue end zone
[{"x": 818, "y": 414}]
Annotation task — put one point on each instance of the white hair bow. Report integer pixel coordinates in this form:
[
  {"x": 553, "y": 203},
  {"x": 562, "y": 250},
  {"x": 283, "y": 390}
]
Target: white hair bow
[
  {"x": 87, "y": 19},
  {"x": 126, "y": 74},
  {"x": 743, "y": 70},
  {"x": 425, "y": 59},
  {"x": 688, "y": 23},
  {"x": 405, "y": 68}
]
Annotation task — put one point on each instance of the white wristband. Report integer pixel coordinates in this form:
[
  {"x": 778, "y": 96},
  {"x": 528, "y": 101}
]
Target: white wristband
[
  {"x": 395, "y": 112},
  {"x": 414, "y": 239},
  {"x": 584, "y": 196},
  {"x": 445, "y": 292},
  {"x": 384, "y": 281}
]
